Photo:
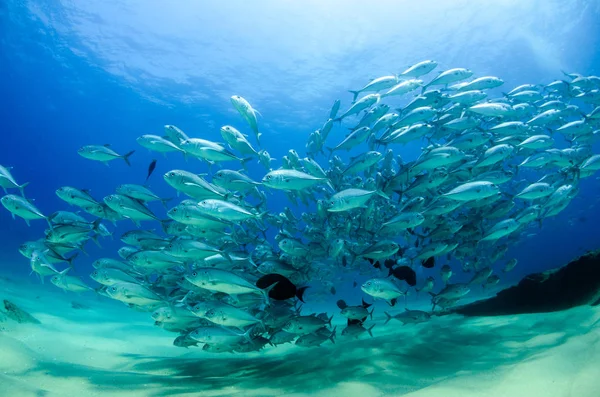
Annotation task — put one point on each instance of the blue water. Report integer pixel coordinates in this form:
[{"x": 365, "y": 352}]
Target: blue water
[{"x": 74, "y": 73}]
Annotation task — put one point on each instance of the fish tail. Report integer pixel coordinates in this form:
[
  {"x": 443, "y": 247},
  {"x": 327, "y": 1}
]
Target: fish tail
[
  {"x": 266, "y": 291},
  {"x": 388, "y": 318},
  {"x": 71, "y": 259},
  {"x": 164, "y": 224},
  {"x": 332, "y": 336},
  {"x": 126, "y": 157},
  {"x": 164, "y": 201},
  {"x": 330, "y": 185},
  {"x": 355, "y": 94},
  {"x": 246, "y": 335},
  {"x": 96, "y": 224},
  {"x": 330, "y": 150},
  {"x": 371, "y": 329},
  {"x": 380, "y": 193},
  {"x": 22, "y": 189},
  {"x": 329, "y": 321},
  {"x": 371, "y": 313},
  {"x": 95, "y": 240},
  {"x": 300, "y": 293},
  {"x": 244, "y": 161},
  {"x": 226, "y": 255}
]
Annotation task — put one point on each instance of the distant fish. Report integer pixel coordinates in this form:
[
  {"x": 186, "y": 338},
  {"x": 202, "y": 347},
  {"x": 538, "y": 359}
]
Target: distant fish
[
  {"x": 355, "y": 314},
  {"x": 103, "y": 153},
  {"x": 79, "y": 306},
  {"x": 151, "y": 168},
  {"x": 284, "y": 289}
]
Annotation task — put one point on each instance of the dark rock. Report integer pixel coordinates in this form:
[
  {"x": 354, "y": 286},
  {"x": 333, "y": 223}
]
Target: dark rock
[
  {"x": 18, "y": 314},
  {"x": 576, "y": 284}
]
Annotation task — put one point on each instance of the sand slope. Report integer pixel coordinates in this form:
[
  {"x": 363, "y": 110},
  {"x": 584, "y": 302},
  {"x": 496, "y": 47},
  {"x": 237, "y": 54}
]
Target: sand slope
[{"x": 108, "y": 350}]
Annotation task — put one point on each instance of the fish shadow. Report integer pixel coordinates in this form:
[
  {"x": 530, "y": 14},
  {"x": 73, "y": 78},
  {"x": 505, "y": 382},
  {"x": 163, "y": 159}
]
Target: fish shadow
[{"x": 409, "y": 358}]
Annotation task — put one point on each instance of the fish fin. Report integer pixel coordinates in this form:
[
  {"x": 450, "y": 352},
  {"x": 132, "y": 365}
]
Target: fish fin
[
  {"x": 26, "y": 221},
  {"x": 341, "y": 304},
  {"x": 126, "y": 157},
  {"x": 355, "y": 93},
  {"x": 365, "y": 304}
]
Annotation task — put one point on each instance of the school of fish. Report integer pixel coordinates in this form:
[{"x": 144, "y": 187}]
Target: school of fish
[{"x": 491, "y": 167}]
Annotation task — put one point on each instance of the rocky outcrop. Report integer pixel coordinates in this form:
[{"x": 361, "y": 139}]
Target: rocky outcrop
[{"x": 576, "y": 284}]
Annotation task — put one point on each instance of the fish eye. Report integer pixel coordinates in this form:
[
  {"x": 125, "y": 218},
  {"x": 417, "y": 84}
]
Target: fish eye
[
  {"x": 194, "y": 274},
  {"x": 113, "y": 289},
  {"x": 174, "y": 209},
  {"x": 171, "y": 174},
  {"x": 269, "y": 176}
]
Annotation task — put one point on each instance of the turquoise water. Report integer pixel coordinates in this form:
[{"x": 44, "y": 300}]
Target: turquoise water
[{"x": 93, "y": 73}]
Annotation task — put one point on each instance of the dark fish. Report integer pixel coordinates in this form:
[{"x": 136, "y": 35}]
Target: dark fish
[
  {"x": 429, "y": 262},
  {"x": 344, "y": 261},
  {"x": 405, "y": 273},
  {"x": 389, "y": 263},
  {"x": 355, "y": 284},
  {"x": 416, "y": 243},
  {"x": 284, "y": 289},
  {"x": 341, "y": 304},
  {"x": 151, "y": 168},
  {"x": 332, "y": 290}
]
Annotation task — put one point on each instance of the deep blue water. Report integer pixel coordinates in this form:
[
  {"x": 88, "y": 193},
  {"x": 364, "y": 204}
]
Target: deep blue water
[{"x": 93, "y": 72}]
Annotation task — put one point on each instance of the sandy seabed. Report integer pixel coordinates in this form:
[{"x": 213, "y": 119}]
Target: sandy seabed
[{"x": 108, "y": 350}]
